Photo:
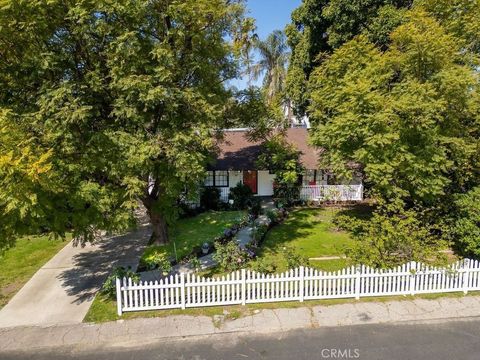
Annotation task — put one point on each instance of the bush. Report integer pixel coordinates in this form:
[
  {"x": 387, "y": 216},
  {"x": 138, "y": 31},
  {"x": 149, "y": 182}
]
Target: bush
[
  {"x": 194, "y": 262},
  {"x": 466, "y": 229},
  {"x": 229, "y": 256},
  {"x": 254, "y": 207},
  {"x": 286, "y": 194},
  {"x": 109, "y": 287},
  {"x": 294, "y": 259},
  {"x": 392, "y": 239},
  {"x": 273, "y": 216},
  {"x": 155, "y": 257},
  {"x": 264, "y": 266},
  {"x": 241, "y": 195},
  {"x": 210, "y": 198},
  {"x": 258, "y": 233}
]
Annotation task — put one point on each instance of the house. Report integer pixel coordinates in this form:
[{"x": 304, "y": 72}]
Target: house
[{"x": 237, "y": 162}]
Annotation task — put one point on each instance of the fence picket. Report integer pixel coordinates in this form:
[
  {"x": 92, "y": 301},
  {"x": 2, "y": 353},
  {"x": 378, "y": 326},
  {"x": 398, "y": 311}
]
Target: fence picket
[{"x": 242, "y": 287}]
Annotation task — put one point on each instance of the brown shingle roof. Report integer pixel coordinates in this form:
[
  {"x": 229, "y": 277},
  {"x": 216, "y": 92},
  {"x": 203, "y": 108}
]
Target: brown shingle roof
[{"x": 238, "y": 153}]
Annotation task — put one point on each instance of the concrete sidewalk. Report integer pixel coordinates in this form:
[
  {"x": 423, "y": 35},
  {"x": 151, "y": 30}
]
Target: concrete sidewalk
[
  {"x": 62, "y": 291},
  {"x": 137, "y": 332}
]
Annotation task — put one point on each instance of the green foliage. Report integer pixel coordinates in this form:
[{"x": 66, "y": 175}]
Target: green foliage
[
  {"x": 155, "y": 257},
  {"x": 391, "y": 239},
  {"x": 466, "y": 228},
  {"x": 195, "y": 263},
  {"x": 398, "y": 113},
  {"x": 284, "y": 159},
  {"x": 229, "y": 256},
  {"x": 273, "y": 57},
  {"x": 109, "y": 286},
  {"x": 293, "y": 258},
  {"x": 241, "y": 195},
  {"x": 255, "y": 207},
  {"x": 264, "y": 266},
  {"x": 320, "y": 26},
  {"x": 246, "y": 108},
  {"x": 258, "y": 233},
  {"x": 210, "y": 198},
  {"x": 112, "y": 102},
  {"x": 273, "y": 215}
]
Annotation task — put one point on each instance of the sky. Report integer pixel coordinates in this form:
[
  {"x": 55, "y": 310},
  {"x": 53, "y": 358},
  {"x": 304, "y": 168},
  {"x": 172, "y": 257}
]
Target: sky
[{"x": 269, "y": 15}]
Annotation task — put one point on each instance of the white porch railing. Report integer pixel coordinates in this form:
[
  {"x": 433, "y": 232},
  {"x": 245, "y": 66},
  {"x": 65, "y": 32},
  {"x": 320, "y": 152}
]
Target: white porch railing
[
  {"x": 247, "y": 287},
  {"x": 331, "y": 192}
]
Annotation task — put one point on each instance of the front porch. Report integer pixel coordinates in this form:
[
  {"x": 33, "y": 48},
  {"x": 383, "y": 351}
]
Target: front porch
[{"x": 313, "y": 185}]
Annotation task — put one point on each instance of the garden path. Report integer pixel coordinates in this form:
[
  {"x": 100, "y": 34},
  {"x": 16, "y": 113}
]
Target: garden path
[{"x": 243, "y": 238}]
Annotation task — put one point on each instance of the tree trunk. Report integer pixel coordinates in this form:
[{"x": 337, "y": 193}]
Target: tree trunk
[
  {"x": 159, "y": 229},
  {"x": 159, "y": 225}
]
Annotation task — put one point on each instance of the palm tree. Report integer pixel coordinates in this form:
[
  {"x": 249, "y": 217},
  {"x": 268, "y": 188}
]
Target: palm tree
[{"x": 272, "y": 63}]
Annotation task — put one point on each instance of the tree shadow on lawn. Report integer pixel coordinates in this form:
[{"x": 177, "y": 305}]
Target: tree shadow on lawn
[
  {"x": 91, "y": 268},
  {"x": 304, "y": 222},
  {"x": 358, "y": 211},
  {"x": 296, "y": 225}
]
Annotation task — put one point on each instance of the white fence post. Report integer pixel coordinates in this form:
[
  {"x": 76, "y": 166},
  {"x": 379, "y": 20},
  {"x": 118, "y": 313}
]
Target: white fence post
[
  {"x": 358, "y": 279},
  {"x": 118, "y": 289},
  {"x": 182, "y": 289},
  {"x": 244, "y": 286},
  {"x": 411, "y": 280},
  {"x": 302, "y": 283},
  {"x": 466, "y": 276}
]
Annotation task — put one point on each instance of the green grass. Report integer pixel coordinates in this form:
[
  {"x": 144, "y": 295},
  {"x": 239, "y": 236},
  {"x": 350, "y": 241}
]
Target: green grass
[
  {"x": 103, "y": 310},
  {"x": 191, "y": 232},
  {"x": 310, "y": 233},
  {"x": 18, "y": 264}
]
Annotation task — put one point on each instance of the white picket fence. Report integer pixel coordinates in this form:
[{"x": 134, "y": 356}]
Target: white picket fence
[
  {"x": 247, "y": 287},
  {"x": 331, "y": 192}
]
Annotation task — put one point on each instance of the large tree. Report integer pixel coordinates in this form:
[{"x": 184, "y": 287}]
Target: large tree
[
  {"x": 409, "y": 115},
  {"x": 115, "y": 101},
  {"x": 272, "y": 62},
  {"x": 320, "y": 26}
]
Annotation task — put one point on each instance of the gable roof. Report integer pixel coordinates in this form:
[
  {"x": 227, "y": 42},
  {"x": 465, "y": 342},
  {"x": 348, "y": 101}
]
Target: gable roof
[{"x": 236, "y": 152}]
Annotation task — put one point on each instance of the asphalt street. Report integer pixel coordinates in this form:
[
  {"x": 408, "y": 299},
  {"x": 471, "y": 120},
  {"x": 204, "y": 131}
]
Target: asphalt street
[{"x": 435, "y": 341}]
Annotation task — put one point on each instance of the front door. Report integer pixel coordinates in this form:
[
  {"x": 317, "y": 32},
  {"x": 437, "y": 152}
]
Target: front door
[{"x": 250, "y": 179}]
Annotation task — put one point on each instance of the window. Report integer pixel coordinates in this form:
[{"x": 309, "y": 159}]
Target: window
[
  {"x": 217, "y": 178},
  {"x": 309, "y": 178},
  {"x": 209, "y": 180},
  {"x": 221, "y": 178}
]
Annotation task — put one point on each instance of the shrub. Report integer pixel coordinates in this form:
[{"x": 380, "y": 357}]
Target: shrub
[
  {"x": 229, "y": 256},
  {"x": 264, "y": 266},
  {"x": 293, "y": 258},
  {"x": 391, "y": 239},
  {"x": 273, "y": 216},
  {"x": 210, "y": 198},
  {"x": 109, "y": 287},
  {"x": 258, "y": 233},
  {"x": 194, "y": 262},
  {"x": 241, "y": 195},
  {"x": 255, "y": 207},
  {"x": 466, "y": 229},
  {"x": 155, "y": 257}
]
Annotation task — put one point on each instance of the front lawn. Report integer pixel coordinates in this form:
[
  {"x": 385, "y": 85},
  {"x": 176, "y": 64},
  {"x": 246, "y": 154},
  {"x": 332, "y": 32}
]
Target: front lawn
[
  {"x": 192, "y": 232},
  {"x": 311, "y": 234},
  {"x": 18, "y": 264}
]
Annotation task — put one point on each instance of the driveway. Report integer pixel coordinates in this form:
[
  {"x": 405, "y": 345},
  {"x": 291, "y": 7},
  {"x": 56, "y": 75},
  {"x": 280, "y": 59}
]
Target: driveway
[{"x": 62, "y": 291}]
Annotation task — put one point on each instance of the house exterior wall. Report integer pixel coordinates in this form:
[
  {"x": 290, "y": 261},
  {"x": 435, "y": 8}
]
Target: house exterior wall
[
  {"x": 265, "y": 183},
  {"x": 235, "y": 177}
]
